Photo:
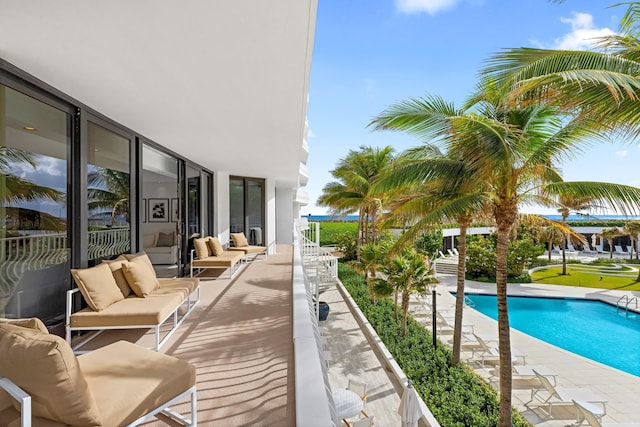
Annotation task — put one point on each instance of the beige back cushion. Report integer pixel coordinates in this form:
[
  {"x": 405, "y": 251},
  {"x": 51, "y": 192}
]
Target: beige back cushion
[
  {"x": 31, "y": 323},
  {"x": 215, "y": 245},
  {"x": 98, "y": 286},
  {"x": 140, "y": 278},
  {"x": 239, "y": 240},
  {"x": 116, "y": 270},
  {"x": 201, "y": 248},
  {"x": 143, "y": 256},
  {"x": 44, "y": 366}
]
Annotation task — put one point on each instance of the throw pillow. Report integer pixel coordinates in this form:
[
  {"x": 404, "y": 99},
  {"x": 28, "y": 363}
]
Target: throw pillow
[
  {"x": 97, "y": 285},
  {"x": 201, "y": 248},
  {"x": 166, "y": 239},
  {"x": 239, "y": 240},
  {"x": 30, "y": 322},
  {"x": 44, "y": 366},
  {"x": 215, "y": 245},
  {"x": 116, "y": 270},
  {"x": 139, "y": 278}
]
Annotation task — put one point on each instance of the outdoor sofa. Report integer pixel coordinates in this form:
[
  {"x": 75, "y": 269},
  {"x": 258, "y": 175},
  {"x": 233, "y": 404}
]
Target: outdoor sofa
[
  {"x": 125, "y": 293},
  {"x": 207, "y": 252},
  {"x": 241, "y": 244},
  {"x": 42, "y": 383}
]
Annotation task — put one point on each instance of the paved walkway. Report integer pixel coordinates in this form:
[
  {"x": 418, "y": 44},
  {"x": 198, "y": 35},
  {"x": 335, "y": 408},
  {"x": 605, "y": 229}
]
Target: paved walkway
[{"x": 621, "y": 389}]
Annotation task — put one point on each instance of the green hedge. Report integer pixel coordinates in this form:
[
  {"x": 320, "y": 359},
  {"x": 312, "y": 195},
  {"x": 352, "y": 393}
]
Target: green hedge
[{"x": 456, "y": 396}]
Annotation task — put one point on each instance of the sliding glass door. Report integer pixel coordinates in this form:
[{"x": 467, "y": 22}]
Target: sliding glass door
[{"x": 246, "y": 205}]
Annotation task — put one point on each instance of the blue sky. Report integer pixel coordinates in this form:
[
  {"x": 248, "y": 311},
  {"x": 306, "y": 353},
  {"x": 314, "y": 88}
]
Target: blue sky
[{"x": 370, "y": 54}]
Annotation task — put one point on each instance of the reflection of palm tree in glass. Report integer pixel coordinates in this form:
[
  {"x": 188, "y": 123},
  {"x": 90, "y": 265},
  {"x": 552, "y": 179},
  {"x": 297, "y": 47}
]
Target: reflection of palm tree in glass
[
  {"x": 109, "y": 193},
  {"x": 15, "y": 189}
]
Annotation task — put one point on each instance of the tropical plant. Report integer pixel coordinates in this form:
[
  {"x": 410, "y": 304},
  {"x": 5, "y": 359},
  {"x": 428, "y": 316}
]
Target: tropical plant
[
  {"x": 610, "y": 234},
  {"x": 109, "y": 193},
  {"x": 632, "y": 228},
  {"x": 569, "y": 203},
  {"x": 352, "y": 190},
  {"x": 406, "y": 274},
  {"x": 515, "y": 152},
  {"x": 15, "y": 189},
  {"x": 372, "y": 258}
]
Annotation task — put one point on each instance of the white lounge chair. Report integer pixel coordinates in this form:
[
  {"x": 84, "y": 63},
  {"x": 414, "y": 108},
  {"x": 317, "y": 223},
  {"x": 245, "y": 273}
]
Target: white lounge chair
[
  {"x": 570, "y": 248},
  {"x": 556, "y": 249},
  {"x": 549, "y": 395},
  {"x": 481, "y": 350},
  {"x": 620, "y": 251},
  {"x": 599, "y": 248},
  {"x": 455, "y": 251},
  {"x": 631, "y": 251},
  {"x": 441, "y": 254},
  {"x": 451, "y": 252},
  {"x": 587, "y": 249},
  {"x": 585, "y": 413}
]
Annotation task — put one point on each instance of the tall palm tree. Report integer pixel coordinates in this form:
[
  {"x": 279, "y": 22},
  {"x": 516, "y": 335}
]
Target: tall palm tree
[
  {"x": 431, "y": 202},
  {"x": 602, "y": 84},
  {"x": 351, "y": 191},
  {"x": 371, "y": 260},
  {"x": 17, "y": 189},
  {"x": 515, "y": 151}
]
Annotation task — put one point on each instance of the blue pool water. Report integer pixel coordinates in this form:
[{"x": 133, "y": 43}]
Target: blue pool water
[{"x": 592, "y": 329}]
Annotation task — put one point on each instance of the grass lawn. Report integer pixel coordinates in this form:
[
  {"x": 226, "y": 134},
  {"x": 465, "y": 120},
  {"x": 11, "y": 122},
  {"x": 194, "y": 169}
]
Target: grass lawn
[
  {"x": 605, "y": 276},
  {"x": 329, "y": 231}
]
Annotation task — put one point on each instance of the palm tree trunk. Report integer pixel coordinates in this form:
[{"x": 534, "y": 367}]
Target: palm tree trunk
[
  {"x": 564, "y": 263},
  {"x": 359, "y": 234},
  {"x": 505, "y": 214},
  {"x": 405, "y": 310},
  {"x": 462, "y": 260}
]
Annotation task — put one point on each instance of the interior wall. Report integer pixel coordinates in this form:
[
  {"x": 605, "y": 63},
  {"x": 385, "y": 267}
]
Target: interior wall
[
  {"x": 221, "y": 206},
  {"x": 270, "y": 219}
]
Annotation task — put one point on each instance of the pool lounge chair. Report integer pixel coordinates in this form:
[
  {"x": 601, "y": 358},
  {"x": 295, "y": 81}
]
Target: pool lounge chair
[
  {"x": 451, "y": 252},
  {"x": 587, "y": 249},
  {"x": 482, "y": 351},
  {"x": 549, "y": 396},
  {"x": 593, "y": 419},
  {"x": 620, "y": 251},
  {"x": 631, "y": 251}
]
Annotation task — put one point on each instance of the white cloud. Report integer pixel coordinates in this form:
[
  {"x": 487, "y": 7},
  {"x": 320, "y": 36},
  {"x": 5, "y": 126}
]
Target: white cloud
[
  {"x": 310, "y": 134},
  {"x": 583, "y": 35},
  {"x": 429, "y": 6},
  {"x": 621, "y": 153}
]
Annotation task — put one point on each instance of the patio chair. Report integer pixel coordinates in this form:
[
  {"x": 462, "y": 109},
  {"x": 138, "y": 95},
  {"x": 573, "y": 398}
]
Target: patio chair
[
  {"x": 451, "y": 252},
  {"x": 630, "y": 250},
  {"x": 585, "y": 413},
  {"x": 570, "y": 248},
  {"x": 599, "y": 248},
  {"x": 455, "y": 251},
  {"x": 556, "y": 249},
  {"x": 587, "y": 249},
  {"x": 359, "y": 388},
  {"x": 549, "y": 395}
]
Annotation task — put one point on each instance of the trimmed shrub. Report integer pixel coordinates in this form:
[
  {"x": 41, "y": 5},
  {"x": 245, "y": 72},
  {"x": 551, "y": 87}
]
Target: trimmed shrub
[{"x": 456, "y": 395}]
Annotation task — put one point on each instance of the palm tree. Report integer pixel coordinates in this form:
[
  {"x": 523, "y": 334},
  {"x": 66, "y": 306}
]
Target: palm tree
[
  {"x": 568, "y": 204},
  {"x": 552, "y": 236},
  {"x": 610, "y": 234},
  {"x": 515, "y": 151},
  {"x": 428, "y": 203},
  {"x": 407, "y": 273},
  {"x": 109, "y": 193},
  {"x": 351, "y": 192},
  {"x": 632, "y": 228},
  {"x": 371, "y": 259},
  {"x": 601, "y": 84}
]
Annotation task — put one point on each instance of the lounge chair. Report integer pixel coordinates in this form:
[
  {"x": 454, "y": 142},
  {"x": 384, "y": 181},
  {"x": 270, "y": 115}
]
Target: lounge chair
[
  {"x": 451, "y": 252},
  {"x": 570, "y": 248},
  {"x": 480, "y": 349},
  {"x": 585, "y": 413},
  {"x": 441, "y": 254},
  {"x": 241, "y": 244},
  {"x": 631, "y": 251},
  {"x": 620, "y": 251},
  {"x": 587, "y": 249},
  {"x": 455, "y": 251},
  {"x": 549, "y": 395},
  {"x": 556, "y": 249},
  {"x": 599, "y": 248},
  {"x": 445, "y": 323}
]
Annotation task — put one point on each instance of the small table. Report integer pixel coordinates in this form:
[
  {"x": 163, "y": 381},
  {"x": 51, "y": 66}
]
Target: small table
[{"x": 348, "y": 404}]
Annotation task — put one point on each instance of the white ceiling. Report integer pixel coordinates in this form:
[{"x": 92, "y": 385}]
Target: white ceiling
[{"x": 223, "y": 83}]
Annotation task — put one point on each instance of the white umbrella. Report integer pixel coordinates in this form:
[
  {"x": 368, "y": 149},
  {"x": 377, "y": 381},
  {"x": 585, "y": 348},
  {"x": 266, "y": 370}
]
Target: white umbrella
[{"x": 409, "y": 408}]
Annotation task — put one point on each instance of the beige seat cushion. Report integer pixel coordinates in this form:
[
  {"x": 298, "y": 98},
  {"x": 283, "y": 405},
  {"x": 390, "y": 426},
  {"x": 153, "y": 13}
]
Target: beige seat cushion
[
  {"x": 118, "y": 274},
  {"x": 215, "y": 245},
  {"x": 98, "y": 286},
  {"x": 128, "y": 381},
  {"x": 44, "y": 366},
  {"x": 201, "y": 247},
  {"x": 140, "y": 277},
  {"x": 239, "y": 240},
  {"x": 31, "y": 323}
]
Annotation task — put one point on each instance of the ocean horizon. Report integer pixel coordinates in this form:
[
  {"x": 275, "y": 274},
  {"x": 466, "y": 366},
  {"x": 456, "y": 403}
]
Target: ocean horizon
[{"x": 555, "y": 217}]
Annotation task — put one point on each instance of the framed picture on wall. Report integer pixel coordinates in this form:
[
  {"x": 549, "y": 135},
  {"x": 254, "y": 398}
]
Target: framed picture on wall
[
  {"x": 143, "y": 213},
  {"x": 175, "y": 210},
  {"x": 158, "y": 210}
]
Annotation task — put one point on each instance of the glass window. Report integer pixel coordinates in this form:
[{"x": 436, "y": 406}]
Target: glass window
[
  {"x": 108, "y": 184},
  {"x": 34, "y": 246},
  {"x": 246, "y": 205}
]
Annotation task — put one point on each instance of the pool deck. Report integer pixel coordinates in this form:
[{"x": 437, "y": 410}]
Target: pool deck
[{"x": 619, "y": 388}]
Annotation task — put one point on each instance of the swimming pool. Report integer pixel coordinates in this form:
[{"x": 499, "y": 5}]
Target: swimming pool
[{"x": 592, "y": 329}]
